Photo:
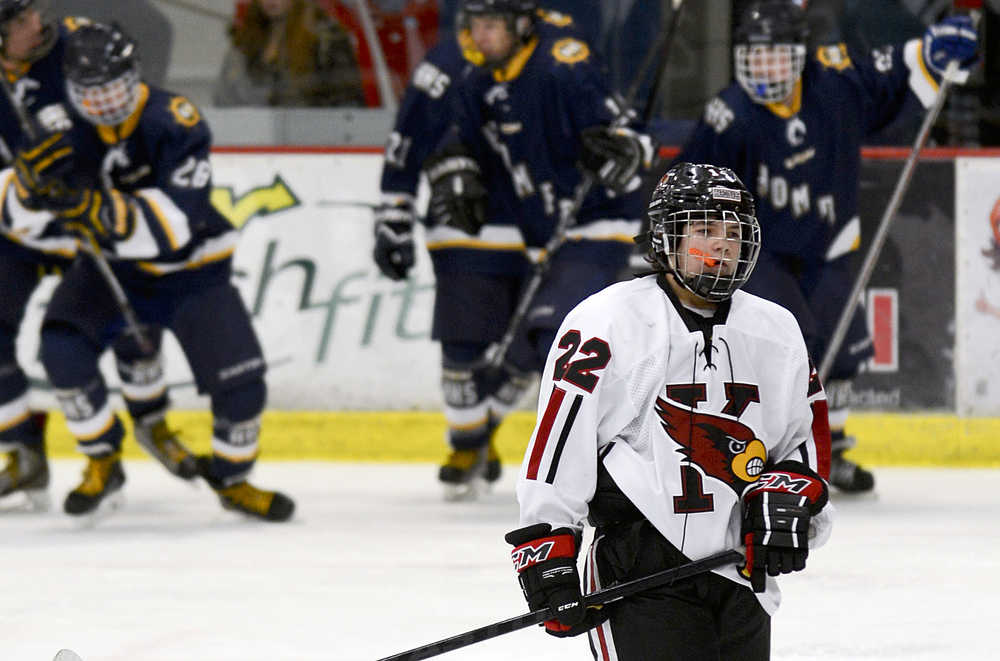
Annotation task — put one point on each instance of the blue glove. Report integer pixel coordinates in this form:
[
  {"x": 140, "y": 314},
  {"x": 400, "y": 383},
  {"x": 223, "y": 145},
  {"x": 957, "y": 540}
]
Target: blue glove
[{"x": 954, "y": 38}]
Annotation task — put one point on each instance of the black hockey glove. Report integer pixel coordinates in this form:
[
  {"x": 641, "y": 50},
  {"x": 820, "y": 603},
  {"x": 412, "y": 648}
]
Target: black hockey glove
[
  {"x": 545, "y": 560},
  {"x": 394, "y": 250},
  {"x": 40, "y": 170},
  {"x": 458, "y": 197},
  {"x": 776, "y": 513},
  {"x": 616, "y": 157}
]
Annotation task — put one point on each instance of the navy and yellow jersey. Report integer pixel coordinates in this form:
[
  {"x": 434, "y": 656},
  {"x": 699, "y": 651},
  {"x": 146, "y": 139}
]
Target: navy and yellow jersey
[
  {"x": 425, "y": 111},
  {"x": 523, "y": 125},
  {"x": 40, "y": 90},
  {"x": 156, "y": 163},
  {"x": 802, "y": 160}
]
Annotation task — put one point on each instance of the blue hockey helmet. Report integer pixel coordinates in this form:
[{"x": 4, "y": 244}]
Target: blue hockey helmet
[{"x": 695, "y": 202}]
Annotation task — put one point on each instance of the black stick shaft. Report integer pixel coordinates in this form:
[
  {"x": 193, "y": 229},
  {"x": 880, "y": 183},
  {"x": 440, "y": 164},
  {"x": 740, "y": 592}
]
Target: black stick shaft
[{"x": 593, "y": 600}]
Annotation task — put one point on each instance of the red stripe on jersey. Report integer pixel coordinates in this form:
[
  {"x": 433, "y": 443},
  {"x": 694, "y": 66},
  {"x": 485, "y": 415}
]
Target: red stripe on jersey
[
  {"x": 544, "y": 429},
  {"x": 821, "y": 436}
]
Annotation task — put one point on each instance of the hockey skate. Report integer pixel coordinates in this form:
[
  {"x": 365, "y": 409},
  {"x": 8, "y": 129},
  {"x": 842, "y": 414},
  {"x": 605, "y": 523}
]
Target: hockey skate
[
  {"x": 162, "y": 443},
  {"x": 27, "y": 472},
  {"x": 246, "y": 498},
  {"x": 100, "y": 492},
  {"x": 848, "y": 476},
  {"x": 469, "y": 473}
]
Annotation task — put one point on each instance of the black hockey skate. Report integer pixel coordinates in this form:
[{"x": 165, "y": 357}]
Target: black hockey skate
[
  {"x": 467, "y": 473},
  {"x": 162, "y": 443},
  {"x": 27, "y": 472},
  {"x": 246, "y": 498},
  {"x": 848, "y": 476},
  {"x": 103, "y": 479}
]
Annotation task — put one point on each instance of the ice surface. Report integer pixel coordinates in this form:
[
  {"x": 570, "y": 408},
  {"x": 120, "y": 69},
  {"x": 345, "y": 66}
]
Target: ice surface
[{"x": 376, "y": 563}]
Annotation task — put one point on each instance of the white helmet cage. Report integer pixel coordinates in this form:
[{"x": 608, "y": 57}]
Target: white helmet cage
[
  {"x": 768, "y": 72},
  {"x": 711, "y": 252},
  {"x": 109, "y": 103},
  {"x": 102, "y": 73}
]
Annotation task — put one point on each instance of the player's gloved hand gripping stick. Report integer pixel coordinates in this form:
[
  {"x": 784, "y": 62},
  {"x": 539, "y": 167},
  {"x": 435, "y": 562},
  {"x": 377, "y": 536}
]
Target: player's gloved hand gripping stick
[
  {"x": 590, "y": 601},
  {"x": 32, "y": 170}
]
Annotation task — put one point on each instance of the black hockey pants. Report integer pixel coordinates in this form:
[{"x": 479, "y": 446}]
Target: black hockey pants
[{"x": 702, "y": 618}]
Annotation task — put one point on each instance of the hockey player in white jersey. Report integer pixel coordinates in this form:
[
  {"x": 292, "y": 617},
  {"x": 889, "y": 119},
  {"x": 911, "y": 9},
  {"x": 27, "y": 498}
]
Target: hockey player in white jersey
[{"x": 680, "y": 417}]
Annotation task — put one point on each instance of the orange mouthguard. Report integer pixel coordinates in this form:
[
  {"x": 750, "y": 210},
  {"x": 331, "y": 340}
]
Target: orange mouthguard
[{"x": 709, "y": 261}]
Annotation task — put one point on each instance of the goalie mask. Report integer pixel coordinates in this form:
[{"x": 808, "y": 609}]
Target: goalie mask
[
  {"x": 703, "y": 230},
  {"x": 102, "y": 73},
  {"x": 16, "y": 24},
  {"x": 769, "y": 49}
]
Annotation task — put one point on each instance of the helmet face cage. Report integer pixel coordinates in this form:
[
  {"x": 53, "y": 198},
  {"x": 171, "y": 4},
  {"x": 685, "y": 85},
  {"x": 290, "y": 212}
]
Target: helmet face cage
[
  {"x": 102, "y": 73},
  {"x": 768, "y": 72},
  {"x": 109, "y": 103},
  {"x": 711, "y": 252}
]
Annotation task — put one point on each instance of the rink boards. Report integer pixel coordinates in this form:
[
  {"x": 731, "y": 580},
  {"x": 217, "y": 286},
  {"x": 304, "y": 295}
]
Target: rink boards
[{"x": 353, "y": 373}]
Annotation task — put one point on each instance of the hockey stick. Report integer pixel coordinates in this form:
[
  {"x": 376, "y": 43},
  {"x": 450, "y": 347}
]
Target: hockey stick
[
  {"x": 132, "y": 326},
  {"x": 593, "y": 600},
  {"x": 864, "y": 275},
  {"x": 497, "y": 353}
]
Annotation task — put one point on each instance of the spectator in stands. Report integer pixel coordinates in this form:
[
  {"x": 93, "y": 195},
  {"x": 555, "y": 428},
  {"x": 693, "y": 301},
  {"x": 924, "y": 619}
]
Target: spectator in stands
[{"x": 288, "y": 53}]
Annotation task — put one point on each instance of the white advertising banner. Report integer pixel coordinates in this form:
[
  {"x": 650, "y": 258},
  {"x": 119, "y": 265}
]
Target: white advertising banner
[
  {"x": 337, "y": 335},
  {"x": 977, "y": 304}
]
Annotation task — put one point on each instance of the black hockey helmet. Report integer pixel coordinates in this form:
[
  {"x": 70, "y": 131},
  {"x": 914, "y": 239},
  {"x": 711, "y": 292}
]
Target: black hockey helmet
[
  {"x": 687, "y": 202},
  {"x": 11, "y": 8},
  {"x": 102, "y": 73},
  {"x": 520, "y": 14},
  {"x": 772, "y": 22},
  {"x": 769, "y": 49}
]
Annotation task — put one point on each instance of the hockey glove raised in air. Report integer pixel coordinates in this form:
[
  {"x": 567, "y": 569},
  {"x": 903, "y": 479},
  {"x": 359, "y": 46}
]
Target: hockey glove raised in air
[
  {"x": 776, "y": 513},
  {"x": 394, "y": 251},
  {"x": 616, "y": 157},
  {"x": 458, "y": 197},
  {"x": 545, "y": 561},
  {"x": 954, "y": 38},
  {"x": 39, "y": 172}
]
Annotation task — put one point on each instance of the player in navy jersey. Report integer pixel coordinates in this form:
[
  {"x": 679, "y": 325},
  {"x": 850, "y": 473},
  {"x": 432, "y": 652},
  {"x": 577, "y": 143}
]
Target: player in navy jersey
[
  {"x": 680, "y": 417},
  {"x": 31, "y": 48},
  {"x": 423, "y": 117},
  {"x": 133, "y": 171},
  {"x": 792, "y": 126},
  {"x": 535, "y": 108}
]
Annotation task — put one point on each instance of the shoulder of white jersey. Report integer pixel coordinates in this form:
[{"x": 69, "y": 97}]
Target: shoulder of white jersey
[
  {"x": 765, "y": 318},
  {"x": 623, "y": 302}
]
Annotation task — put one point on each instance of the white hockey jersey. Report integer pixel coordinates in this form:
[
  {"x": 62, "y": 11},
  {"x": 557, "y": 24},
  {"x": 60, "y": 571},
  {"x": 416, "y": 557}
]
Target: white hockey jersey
[{"x": 684, "y": 411}]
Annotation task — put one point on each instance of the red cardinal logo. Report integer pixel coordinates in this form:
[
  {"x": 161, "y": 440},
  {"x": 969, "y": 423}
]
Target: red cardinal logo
[{"x": 724, "y": 449}]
